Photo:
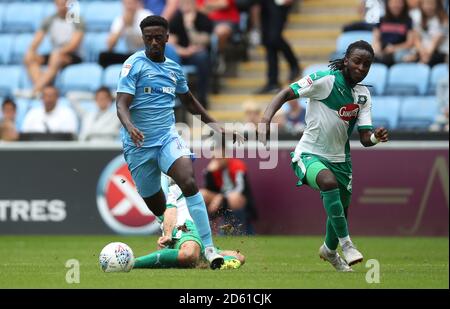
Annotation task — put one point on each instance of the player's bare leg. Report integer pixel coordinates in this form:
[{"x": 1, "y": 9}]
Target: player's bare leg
[
  {"x": 182, "y": 173},
  {"x": 156, "y": 203}
]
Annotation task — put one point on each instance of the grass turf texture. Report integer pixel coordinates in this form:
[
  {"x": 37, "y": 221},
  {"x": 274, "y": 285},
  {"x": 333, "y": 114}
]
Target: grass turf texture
[{"x": 272, "y": 262}]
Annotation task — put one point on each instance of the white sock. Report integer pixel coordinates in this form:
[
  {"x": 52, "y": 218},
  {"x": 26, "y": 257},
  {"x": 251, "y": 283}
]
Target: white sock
[
  {"x": 343, "y": 240},
  {"x": 328, "y": 249}
]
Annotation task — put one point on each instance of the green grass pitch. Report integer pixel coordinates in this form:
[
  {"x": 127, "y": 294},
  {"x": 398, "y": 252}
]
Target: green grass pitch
[{"x": 272, "y": 262}]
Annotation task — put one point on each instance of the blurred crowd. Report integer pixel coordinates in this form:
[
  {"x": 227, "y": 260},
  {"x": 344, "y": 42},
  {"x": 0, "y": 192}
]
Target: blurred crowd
[{"x": 207, "y": 36}]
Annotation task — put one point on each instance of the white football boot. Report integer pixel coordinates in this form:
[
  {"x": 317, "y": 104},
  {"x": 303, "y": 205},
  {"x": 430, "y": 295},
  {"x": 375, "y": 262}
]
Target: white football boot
[
  {"x": 351, "y": 255},
  {"x": 215, "y": 260},
  {"x": 334, "y": 259}
]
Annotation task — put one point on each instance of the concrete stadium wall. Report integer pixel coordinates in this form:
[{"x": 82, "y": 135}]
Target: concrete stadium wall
[{"x": 75, "y": 188}]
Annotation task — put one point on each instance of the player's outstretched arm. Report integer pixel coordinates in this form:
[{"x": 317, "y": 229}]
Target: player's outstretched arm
[
  {"x": 123, "y": 103},
  {"x": 282, "y": 97},
  {"x": 170, "y": 219},
  {"x": 369, "y": 138},
  {"x": 195, "y": 108}
]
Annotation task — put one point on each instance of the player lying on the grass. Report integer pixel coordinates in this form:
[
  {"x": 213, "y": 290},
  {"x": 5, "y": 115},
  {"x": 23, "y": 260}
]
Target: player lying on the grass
[
  {"x": 180, "y": 245},
  {"x": 322, "y": 159}
]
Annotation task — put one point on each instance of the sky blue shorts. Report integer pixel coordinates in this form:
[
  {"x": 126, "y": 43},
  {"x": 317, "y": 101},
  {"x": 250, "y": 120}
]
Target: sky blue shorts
[{"x": 146, "y": 164}]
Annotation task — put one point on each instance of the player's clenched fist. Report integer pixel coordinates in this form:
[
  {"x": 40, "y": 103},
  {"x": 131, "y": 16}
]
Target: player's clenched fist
[{"x": 381, "y": 134}]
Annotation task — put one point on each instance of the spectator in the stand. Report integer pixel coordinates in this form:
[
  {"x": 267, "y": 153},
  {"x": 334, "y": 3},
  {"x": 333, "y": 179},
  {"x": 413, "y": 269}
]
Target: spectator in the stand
[
  {"x": 65, "y": 36},
  {"x": 370, "y": 12},
  {"x": 190, "y": 33},
  {"x": 432, "y": 33},
  {"x": 9, "y": 110},
  {"x": 393, "y": 37},
  {"x": 414, "y": 10},
  {"x": 225, "y": 17},
  {"x": 274, "y": 16},
  {"x": 164, "y": 8},
  {"x": 8, "y": 130},
  {"x": 51, "y": 117},
  {"x": 252, "y": 114},
  {"x": 227, "y": 193},
  {"x": 101, "y": 124},
  {"x": 442, "y": 95},
  {"x": 126, "y": 27},
  {"x": 291, "y": 118}
]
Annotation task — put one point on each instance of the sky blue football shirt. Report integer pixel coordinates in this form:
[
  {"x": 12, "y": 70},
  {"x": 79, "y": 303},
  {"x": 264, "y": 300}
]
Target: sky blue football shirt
[{"x": 154, "y": 86}]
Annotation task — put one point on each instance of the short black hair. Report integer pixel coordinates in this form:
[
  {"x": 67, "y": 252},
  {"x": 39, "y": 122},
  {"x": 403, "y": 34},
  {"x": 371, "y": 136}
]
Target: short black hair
[
  {"x": 338, "y": 64},
  {"x": 7, "y": 101},
  {"x": 103, "y": 89},
  {"x": 154, "y": 20}
]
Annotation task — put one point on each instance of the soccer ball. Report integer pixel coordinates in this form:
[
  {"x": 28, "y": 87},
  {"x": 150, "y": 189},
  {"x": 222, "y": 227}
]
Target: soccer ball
[{"x": 116, "y": 257}]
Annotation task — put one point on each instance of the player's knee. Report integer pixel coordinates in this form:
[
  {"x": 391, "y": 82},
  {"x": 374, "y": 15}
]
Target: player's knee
[
  {"x": 188, "y": 186},
  {"x": 327, "y": 182}
]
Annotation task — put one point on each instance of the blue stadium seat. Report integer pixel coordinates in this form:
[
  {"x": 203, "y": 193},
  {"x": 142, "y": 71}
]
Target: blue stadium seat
[
  {"x": 314, "y": 68},
  {"x": 377, "y": 78},
  {"x": 111, "y": 76},
  {"x": 6, "y": 43},
  {"x": 347, "y": 38},
  {"x": 22, "y": 17},
  {"x": 99, "y": 15},
  {"x": 408, "y": 79},
  {"x": 80, "y": 77},
  {"x": 93, "y": 44},
  {"x": 21, "y": 44},
  {"x": 438, "y": 72},
  {"x": 385, "y": 111},
  {"x": 9, "y": 79},
  {"x": 2, "y": 11},
  {"x": 418, "y": 112}
]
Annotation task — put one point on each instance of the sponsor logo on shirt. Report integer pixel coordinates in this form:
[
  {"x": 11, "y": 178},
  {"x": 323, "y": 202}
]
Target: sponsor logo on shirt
[
  {"x": 170, "y": 90},
  {"x": 349, "y": 111}
]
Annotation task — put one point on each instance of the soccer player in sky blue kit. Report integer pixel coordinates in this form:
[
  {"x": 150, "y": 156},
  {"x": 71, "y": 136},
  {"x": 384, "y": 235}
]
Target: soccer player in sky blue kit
[{"x": 148, "y": 85}]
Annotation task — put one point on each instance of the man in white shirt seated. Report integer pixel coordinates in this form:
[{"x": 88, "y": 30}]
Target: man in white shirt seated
[
  {"x": 50, "y": 117},
  {"x": 125, "y": 26},
  {"x": 100, "y": 123}
]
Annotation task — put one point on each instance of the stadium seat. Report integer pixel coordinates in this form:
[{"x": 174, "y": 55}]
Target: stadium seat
[
  {"x": 93, "y": 43},
  {"x": 408, "y": 79},
  {"x": 111, "y": 76},
  {"x": 9, "y": 79},
  {"x": 22, "y": 42},
  {"x": 99, "y": 15},
  {"x": 80, "y": 77},
  {"x": 314, "y": 68},
  {"x": 6, "y": 43},
  {"x": 438, "y": 72},
  {"x": 377, "y": 78},
  {"x": 418, "y": 112},
  {"x": 22, "y": 17},
  {"x": 385, "y": 111},
  {"x": 347, "y": 38}
]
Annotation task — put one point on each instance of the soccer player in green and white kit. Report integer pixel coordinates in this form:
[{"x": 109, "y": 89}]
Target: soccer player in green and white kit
[
  {"x": 180, "y": 245},
  {"x": 337, "y": 103}
]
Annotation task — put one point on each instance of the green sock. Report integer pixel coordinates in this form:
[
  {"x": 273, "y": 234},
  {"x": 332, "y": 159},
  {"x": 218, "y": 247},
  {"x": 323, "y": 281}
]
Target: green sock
[
  {"x": 165, "y": 258},
  {"x": 335, "y": 212},
  {"x": 331, "y": 239}
]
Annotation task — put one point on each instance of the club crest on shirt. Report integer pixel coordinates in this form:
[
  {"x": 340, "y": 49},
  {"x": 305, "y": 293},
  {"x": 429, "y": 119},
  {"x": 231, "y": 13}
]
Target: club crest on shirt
[
  {"x": 125, "y": 70},
  {"x": 362, "y": 99},
  {"x": 349, "y": 111},
  {"x": 173, "y": 76}
]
